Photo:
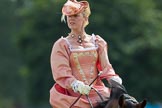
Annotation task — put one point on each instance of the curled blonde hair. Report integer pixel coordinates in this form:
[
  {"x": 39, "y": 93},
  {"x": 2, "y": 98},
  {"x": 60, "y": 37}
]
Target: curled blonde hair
[{"x": 86, "y": 13}]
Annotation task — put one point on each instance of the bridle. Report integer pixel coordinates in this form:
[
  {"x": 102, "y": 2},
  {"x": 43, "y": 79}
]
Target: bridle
[
  {"x": 98, "y": 95},
  {"x": 129, "y": 98}
]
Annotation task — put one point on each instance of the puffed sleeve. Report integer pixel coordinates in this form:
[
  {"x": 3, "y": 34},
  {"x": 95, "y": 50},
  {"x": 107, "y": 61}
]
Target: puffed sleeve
[
  {"x": 60, "y": 64},
  {"x": 104, "y": 63}
]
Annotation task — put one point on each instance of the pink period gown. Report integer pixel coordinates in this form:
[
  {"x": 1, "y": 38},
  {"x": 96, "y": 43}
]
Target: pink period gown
[{"x": 70, "y": 61}]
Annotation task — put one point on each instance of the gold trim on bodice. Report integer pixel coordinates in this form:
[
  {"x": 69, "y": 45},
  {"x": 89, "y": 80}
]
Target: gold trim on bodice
[{"x": 84, "y": 63}]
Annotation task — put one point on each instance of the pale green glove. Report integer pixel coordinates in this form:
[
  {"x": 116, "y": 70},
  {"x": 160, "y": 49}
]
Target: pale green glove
[{"x": 79, "y": 86}]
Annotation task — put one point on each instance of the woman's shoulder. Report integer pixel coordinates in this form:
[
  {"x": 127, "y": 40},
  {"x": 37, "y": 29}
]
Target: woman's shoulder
[{"x": 60, "y": 42}]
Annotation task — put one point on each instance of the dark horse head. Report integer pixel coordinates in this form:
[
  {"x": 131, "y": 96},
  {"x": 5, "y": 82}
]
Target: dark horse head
[{"x": 119, "y": 98}]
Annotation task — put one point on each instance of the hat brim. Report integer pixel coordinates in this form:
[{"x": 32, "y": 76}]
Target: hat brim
[{"x": 71, "y": 10}]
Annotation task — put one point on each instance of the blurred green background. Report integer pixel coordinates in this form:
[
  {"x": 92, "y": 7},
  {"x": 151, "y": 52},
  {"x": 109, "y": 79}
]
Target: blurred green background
[{"x": 28, "y": 29}]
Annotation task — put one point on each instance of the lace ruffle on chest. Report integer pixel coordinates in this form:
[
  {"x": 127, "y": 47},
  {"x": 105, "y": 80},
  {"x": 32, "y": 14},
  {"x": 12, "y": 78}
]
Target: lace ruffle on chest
[{"x": 94, "y": 47}]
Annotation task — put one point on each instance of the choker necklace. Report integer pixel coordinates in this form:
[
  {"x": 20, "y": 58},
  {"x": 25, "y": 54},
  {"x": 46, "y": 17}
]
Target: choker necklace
[{"x": 80, "y": 40}]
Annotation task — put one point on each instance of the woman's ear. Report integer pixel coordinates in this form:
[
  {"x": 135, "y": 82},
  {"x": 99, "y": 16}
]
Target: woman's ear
[{"x": 86, "y": 19}]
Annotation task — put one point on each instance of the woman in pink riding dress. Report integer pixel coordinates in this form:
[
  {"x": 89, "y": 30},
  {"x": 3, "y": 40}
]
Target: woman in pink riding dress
[{"x": 76, "y": 61}]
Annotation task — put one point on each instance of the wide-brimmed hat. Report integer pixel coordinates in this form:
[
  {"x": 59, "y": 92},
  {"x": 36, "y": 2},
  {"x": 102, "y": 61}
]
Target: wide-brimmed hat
[{"x": 72, "y": 7}]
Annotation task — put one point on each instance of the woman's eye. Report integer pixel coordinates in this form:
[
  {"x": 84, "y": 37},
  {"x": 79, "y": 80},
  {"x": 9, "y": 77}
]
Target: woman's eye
[{"x": 75, "y": 15}]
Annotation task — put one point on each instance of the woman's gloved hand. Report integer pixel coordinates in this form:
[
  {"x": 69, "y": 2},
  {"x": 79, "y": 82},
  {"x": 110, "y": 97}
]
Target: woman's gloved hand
[{"x": 79, "y": 86}]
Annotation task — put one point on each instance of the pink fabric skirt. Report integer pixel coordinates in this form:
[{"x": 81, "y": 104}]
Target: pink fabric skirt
[{"x": 63, "y": 98}]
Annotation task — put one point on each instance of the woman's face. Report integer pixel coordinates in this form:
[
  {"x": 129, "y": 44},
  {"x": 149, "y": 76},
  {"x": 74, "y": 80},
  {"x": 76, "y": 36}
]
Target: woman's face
[{"x": 76, "y": 22}]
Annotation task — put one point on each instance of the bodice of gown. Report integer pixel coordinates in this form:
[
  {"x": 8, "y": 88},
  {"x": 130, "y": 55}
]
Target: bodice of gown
[
  {"x": 83, "y": 60},
  {"x": 83, "y": 64}
]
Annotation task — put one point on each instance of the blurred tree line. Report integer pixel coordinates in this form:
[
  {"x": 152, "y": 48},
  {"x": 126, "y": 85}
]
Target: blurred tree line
[{"x": 29, "y": 28}]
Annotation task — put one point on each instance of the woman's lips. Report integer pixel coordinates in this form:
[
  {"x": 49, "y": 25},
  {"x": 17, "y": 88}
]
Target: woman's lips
[{"x": 72, "y": 23}]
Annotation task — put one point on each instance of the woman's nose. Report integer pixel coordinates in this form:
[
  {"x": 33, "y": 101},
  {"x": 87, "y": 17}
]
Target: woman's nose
[{"x": 71, "y": 17}]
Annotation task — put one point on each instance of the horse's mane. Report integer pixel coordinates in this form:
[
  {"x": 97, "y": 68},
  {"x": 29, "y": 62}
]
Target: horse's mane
[{"x": 116, "y": 89}]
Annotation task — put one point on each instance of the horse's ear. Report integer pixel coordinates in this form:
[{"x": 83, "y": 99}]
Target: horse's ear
[
  {"x": 143, "y": 103},
  {"x": 121, "y": 100}
]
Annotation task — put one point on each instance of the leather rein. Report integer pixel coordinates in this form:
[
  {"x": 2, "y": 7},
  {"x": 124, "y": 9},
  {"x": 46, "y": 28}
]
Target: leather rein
[{"x": 87, "y": 95}]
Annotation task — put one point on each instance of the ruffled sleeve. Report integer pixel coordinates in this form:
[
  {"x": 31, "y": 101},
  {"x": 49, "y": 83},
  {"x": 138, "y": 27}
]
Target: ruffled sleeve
[
  {"x": 61, "y": 70},
  {"x": 104, "y": 63}
]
